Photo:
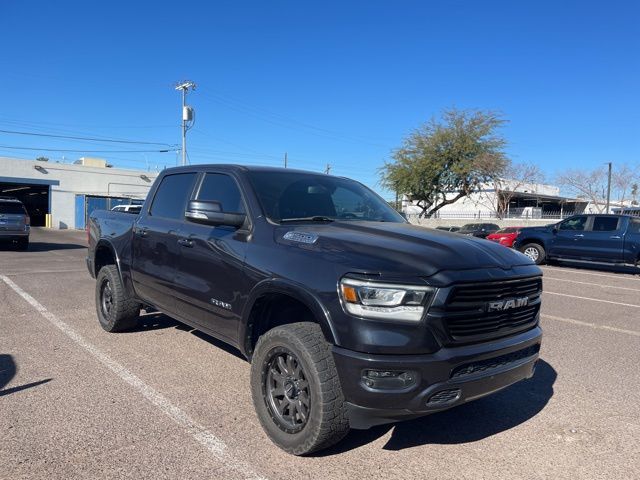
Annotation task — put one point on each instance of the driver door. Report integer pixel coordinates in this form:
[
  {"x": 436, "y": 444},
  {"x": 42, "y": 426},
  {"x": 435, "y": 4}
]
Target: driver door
[{"x": 568, "y": 240}]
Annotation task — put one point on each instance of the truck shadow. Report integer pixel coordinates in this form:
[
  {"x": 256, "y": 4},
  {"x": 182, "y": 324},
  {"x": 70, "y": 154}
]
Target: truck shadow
[
  {"x": 468, "y": 423},
  {"x": 158, "y": 321},
  {"x": 8, "y": 370}
]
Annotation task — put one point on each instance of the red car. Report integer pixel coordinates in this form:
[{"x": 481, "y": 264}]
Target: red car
[{"x": 505, "y": 236}]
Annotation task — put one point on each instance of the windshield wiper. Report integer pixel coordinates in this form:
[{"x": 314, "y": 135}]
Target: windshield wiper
[{"x": 316, "y": 218}]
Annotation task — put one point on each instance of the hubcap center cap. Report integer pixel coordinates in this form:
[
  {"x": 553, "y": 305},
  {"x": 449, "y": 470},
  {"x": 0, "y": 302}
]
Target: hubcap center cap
[{"x": 290, "y": 390}]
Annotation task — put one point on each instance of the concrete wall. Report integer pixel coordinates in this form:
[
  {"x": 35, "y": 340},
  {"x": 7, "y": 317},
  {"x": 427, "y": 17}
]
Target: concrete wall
[
  {"x": 68, "y": 180},
  {"x": 508, "y": 222}
]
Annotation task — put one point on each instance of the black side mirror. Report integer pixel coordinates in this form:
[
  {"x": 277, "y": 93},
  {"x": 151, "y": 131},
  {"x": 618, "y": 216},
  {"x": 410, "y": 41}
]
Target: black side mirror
[
  {"x": 554, "y": 230},
  {"x": 210, "y": 213}
]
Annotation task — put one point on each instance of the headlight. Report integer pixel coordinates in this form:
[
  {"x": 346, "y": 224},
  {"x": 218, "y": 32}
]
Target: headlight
[{"x": 386, "y": 301}]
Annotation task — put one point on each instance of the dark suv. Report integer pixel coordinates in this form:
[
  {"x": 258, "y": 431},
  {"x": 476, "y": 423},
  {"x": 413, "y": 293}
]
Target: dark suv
[
  {"x": 15, "y": 223},
  {"x": 480, "y": 230}
]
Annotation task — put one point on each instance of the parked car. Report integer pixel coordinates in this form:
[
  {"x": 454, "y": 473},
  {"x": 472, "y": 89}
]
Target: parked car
[
  {"x": 350, "y": 316},
  {"x": 15, "y": 224},
  {"x": 603, "y": 239},
  {"x": 127, "y": 208},
  {"x": 480, "y": 230},
  {"x": 452, "y": 228},
  {"x": 505, "y": 236}
]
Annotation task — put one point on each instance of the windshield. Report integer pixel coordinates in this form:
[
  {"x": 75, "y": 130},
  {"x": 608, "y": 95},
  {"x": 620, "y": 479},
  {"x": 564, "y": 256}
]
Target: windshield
[
  {"x": 296, "y": 195},
  {"x": 508, "y": 230}
]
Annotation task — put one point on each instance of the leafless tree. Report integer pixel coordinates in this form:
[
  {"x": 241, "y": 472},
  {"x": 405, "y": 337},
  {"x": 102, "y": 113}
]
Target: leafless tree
[
  {"x": 516, "y": 177},
  {"x": 587, "y": 184},
  {"x": 623, "y": 178}
]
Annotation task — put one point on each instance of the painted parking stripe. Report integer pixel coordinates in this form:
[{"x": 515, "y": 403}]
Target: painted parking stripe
[
  {"x": 592, "y": 325},
  {"x": 546, "y": 277},
  {"x": 208, "y": 440},
  {"x": 592, "y": 299},
  {"x": 622, "y": 276}
]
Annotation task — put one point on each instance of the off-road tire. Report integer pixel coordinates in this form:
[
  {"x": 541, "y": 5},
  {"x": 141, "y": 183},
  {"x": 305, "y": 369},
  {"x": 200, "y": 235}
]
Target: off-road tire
[
  {"x": 327, "y": 422},
  {"x": 531, "y": 247},
  {"x": 123, "y": 312}
]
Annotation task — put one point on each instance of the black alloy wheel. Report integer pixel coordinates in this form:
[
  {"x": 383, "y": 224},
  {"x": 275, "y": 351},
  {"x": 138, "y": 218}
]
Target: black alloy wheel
[{"x": 286, "y": 390}]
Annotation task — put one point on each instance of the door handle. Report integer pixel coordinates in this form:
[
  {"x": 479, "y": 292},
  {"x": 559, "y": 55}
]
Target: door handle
[
  {"x": 185, "y": 242},
  {"x": 616, "y": 237},
  {"x": 141, "y": 232}
]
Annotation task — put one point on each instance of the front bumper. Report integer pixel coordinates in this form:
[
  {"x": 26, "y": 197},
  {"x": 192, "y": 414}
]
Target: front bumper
[{"x": 445, "y": 379}]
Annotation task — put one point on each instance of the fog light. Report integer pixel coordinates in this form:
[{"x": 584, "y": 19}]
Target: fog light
[{"x": 388, "y": 379}]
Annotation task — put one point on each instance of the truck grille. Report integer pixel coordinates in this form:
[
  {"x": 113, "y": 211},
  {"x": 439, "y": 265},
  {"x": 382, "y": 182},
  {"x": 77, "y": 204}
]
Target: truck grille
[{"x": 467, "y": 314}]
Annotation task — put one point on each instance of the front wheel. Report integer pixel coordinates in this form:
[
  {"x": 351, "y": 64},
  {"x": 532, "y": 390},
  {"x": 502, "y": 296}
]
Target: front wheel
[
  {"x": 296, "y": 391},
  {"x": 535, "y": 252}
]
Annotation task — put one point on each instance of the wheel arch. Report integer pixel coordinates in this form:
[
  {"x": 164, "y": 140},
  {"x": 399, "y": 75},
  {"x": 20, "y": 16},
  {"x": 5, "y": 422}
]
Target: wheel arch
[{"x": 259, "y": 314}]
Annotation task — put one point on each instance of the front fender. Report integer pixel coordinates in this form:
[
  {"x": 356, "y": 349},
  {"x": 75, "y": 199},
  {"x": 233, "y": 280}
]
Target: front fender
[{"x": 294, "y": 290}]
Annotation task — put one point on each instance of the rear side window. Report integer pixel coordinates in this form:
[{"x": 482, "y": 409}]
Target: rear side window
[
  {"x": 171, "y": 198},
  {"x": 575, "y": 223},
  {"x": 222, "y": 188},
  {"x": 12, "y": 208},
  {"x": 605, "y": 224},
  {"x": 634, "y": 227}
]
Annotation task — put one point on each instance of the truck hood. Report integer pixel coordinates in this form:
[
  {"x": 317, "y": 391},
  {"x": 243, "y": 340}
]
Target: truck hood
[{"x": 398, "y": 248}]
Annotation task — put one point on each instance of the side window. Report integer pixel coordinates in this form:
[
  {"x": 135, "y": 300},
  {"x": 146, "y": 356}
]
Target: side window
[
  {"x": 634, "y": 227},
  {"x": 575, "y": 223},
  {"x": 605, "y": 224},
  {"x": 222, "y": 188},
  {"x": 171, "y": 198}
]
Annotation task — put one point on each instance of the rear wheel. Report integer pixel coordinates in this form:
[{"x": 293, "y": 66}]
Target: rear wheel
[
  {"x": 535, "y": 252},
  {"x": 116, "y": 311},
  {"x": 23, "y": 243},
  {"x": 296, "y": 391}
]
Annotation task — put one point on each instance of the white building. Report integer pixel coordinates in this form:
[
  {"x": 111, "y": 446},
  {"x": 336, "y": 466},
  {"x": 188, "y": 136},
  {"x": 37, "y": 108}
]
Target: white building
[
  {"x": 70, "y": 192},
  {"x": 511, "y": 199}
]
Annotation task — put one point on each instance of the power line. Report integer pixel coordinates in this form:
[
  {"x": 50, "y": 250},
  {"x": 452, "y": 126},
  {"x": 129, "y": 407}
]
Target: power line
[
  {"x": 93, "y": 139},
  {"x": 13, "y": 147}
]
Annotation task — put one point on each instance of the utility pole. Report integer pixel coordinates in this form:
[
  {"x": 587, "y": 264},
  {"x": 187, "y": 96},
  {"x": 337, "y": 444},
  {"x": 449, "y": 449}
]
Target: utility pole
[
  {"x": 328, "y": 169},
  {"x": 608, "y": 189},
  {"x": 187, "y": 115},
  {"x": 285, "y": 159}
]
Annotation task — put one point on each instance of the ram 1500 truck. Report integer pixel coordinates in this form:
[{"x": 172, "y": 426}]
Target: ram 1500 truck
[
  {"x": 595, "y": 239},
  {"x": 350, "y": 316}
]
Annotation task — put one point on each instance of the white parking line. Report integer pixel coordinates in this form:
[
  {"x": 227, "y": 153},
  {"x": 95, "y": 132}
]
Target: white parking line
[
  {"x": 32, "y": 272},
  {"x": 589, "y": 283},
  {"x": 592, "y": 325},
  {"x": 592, "y": 299},
  {"x": 622, "y": 276},
  {"x": 213, "y": 444}
]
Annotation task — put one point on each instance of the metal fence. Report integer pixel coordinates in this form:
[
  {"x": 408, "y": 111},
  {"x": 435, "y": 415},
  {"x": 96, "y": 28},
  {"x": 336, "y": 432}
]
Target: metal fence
[{"x": 526, "y": 213}]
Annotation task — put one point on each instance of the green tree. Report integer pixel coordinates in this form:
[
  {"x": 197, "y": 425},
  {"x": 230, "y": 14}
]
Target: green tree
[{"x": 447, "y": 159}]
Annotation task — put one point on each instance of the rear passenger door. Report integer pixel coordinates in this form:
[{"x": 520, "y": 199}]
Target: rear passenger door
[
  {"x": 604, "y": 240},
  {"x": 155, "y": 241},
  {"x": 210, "y": 283}
]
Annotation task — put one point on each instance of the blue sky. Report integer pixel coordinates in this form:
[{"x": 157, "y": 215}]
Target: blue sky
[{"x": 328, "y": 82}]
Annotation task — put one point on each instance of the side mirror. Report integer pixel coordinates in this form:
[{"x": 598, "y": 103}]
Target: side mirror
[
  {"x": 554, "y": 230},
  {"x": 210, "y": 213}
]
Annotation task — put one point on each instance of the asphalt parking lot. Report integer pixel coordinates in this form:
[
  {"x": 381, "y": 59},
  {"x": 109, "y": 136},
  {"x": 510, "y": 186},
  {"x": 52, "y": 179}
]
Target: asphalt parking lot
[{"x": 166, "y": 401}]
